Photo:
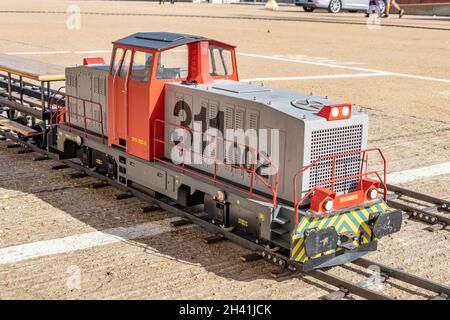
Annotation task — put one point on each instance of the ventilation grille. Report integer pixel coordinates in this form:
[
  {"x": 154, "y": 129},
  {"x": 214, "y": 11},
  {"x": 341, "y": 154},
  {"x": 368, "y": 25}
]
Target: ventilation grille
[{"x": 333, "y": 141}]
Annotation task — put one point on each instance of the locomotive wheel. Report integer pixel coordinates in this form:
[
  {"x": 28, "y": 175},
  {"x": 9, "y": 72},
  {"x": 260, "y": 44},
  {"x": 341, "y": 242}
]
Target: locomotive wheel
[{"x": 40, "y": 140}]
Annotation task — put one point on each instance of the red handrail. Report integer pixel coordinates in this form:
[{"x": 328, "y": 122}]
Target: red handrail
[
  {"x": 50, "y": 103},
  {"x": 362, "y": 174},
  {"x": 273, "y": 189},
  {"x": 84, "y": 116}
]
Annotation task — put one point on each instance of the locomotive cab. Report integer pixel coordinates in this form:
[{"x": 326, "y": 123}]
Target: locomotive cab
[{"x": 140, "y": 67}]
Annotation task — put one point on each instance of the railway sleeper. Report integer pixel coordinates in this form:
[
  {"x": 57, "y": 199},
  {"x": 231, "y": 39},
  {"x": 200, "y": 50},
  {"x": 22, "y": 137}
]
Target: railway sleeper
[
  {"x": 40, "y": 158},
  {"x": 180, "y": 223},
  {"x": 214, "y": 239},
  {"x": 254, "y": 256},
  {"x": 435, "y": 227},
  {"x": 78, "y": 175},
  {"x": 59, "y": 166},
  {"x": 98, "y": 185},
  {"x": 441, "y": 296},
  {"x": 282, "y": 273},
  {"x": 13, "y": 145},
  {"x": 150, "y": 208},
  {"x": 122, "y": 196}
]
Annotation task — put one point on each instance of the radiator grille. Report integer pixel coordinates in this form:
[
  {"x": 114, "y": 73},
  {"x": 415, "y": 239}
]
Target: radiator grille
[{"x": 332, "y": 141}]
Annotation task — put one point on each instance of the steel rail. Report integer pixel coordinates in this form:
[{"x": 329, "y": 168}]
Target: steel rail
[
  {"x": 430, "y": 285},
  {"x": 425, "y": 213},
  {"x": 418, "y": 195}
]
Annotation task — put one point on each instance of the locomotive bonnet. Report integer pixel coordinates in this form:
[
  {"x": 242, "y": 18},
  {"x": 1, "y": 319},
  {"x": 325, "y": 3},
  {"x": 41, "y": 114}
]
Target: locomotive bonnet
[{"x": 169, "y": 117}]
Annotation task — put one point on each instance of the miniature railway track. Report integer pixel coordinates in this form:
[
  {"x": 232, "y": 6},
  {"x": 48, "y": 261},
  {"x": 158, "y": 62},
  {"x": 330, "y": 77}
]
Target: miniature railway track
[
  {"x": 434, "y": 212},
  {"x": 241, "y": 17},
  {"x": 288, "y": 267}
]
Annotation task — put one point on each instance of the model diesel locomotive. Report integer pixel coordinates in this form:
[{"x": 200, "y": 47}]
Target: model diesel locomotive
[{"x": 168, "y": 117}]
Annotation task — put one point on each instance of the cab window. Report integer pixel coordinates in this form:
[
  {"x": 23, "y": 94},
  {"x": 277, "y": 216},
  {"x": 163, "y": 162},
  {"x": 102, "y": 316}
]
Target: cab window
[
  {"x": 173, "y": 63},
  {"x": 220, "y": 61},
  {"x": 142, "y": 66},
  {"x": 125, "y": 64},
  {"x": 118, "y": 54}
]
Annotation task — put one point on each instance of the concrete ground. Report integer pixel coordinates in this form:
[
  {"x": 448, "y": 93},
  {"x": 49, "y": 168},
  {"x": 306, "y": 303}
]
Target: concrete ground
[{"x": 398, "y": 73}]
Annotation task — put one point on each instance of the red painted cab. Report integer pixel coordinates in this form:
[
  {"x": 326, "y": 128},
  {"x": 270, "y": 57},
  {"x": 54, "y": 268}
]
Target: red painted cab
[{"x": 141, "y": 64}]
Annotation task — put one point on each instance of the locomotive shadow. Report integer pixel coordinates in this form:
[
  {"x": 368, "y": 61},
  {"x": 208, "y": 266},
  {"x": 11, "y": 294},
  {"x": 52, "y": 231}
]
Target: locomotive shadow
[{"x": 98, "y": 209}]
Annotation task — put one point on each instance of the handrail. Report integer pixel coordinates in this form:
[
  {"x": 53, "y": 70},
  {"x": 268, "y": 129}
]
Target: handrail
[
  {"x": 362, "y": 174},
  {"x": 50, "y": 103},
  {"x": 83, "y": 115},
  {"x": 253, "y": 174}
]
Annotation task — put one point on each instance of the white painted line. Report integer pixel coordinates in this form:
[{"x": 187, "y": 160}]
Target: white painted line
[
  {"x": 328, "y": 76},
  {"x": 317, "y": 63},
  {"x": 37, "y": 52},
  {"x": 415, "y": 174},
  {"x": 85, "y": 241},
  {"x": 92, "y": 51},
  {"x": 330, "y": 65}
]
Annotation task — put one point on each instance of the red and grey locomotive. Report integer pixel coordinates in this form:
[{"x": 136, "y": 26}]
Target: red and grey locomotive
[{"x": 168, "y": 117}]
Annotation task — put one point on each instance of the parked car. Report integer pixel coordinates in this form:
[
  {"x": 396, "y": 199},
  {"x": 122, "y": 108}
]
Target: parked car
[{"x": 335, "y": 6}]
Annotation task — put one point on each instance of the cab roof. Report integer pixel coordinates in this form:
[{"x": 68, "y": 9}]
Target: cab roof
[{"x": 160, "y": 40}]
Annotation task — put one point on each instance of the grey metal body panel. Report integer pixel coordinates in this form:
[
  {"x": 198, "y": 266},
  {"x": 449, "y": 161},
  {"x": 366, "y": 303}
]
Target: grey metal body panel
[
  {"x": 166, "y": 180},
  {"x": 269, "y": 108},
  {"x": 88, "y": 83},
  {"x": 304, "y": 137}
]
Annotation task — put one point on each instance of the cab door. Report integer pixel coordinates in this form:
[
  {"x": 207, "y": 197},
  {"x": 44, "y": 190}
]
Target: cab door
[
  {"x": 118, "y": 97},
  {"x": 138, "y": 107}
]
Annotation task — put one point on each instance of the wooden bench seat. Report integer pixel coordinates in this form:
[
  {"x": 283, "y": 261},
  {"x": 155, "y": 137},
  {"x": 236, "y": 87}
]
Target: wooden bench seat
[
  {"x": 31, "y": 69},
  {"x": 19, "y": 128}
]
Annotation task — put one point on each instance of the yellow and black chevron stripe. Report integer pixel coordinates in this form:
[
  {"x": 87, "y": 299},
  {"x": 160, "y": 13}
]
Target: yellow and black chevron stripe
[{"x": 355, "y": 221}]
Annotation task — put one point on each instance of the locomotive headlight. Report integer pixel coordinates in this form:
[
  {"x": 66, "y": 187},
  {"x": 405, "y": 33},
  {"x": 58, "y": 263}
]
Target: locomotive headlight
[
  {"x": 335, "y": 112},
  {"x": 345, "y": 111},
  {"x": 328, "y": 204},
  {"x": 373, "y": 193}
]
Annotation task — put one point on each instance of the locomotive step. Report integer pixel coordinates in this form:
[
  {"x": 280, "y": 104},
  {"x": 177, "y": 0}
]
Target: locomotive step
[
  {"x": 280, "y": 220},
  {"x": 280, "y": 231},
  {"x": 281, "y": 242}
]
